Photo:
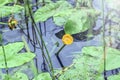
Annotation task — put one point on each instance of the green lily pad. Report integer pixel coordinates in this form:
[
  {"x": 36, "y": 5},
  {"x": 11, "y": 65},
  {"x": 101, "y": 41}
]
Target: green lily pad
[
  {"x": 13, "y": 58},
  {"x": 80, "y": 20},
  {"x": 114, "y": 77},
  {"x": 7, "y": 10},
  {"x": 89, "y": 65},
  {"x": 49, "y": 10},
  {"x": 61, "y": 17},
  {"x": 3, "y": 2},
  {"x": 43, "y": 76},
  {"x": 19, "y": 76},
  {"x": 113, "y": 56},
  {"x": 16, "y": 76}
]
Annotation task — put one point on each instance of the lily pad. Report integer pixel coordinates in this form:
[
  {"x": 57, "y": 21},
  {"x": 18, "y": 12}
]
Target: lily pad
[
  {"x": 15, "y": 76},
  {"x": 7, "y": 10},
  {"x": 3, "y": 2},
  {"x": 51, "y": 9},
  {"x": 114, "y": 77},
  {"x": 89, "y": 64},
  {"x": 13, "y": 58},
  {"x": 112, "y": 56},
  {"x": 80, "y": 20},
  {"x": 43, "y": 76},
  {"x": 19, "y": 76},
  {"x": 61, "y": 17}
]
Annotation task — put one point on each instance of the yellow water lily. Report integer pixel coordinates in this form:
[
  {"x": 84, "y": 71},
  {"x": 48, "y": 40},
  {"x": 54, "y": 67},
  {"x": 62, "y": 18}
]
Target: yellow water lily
[
  {"x": 67, "y": 39},
  {"x": 12, "y": 23}
]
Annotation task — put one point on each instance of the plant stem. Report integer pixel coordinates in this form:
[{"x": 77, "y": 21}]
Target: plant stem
[
  {"x": 57, "y": 55},
  {"x": 42, "y": 41},
  {"x": 3, "y": 23},
  {"x": 7, "y": 72},
  {"x": 64, "y": 70},
  {"x": 104, "y": 42},
  {"x": 43, "y": 65}
]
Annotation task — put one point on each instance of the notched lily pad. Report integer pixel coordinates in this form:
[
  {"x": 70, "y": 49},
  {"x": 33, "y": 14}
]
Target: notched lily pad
[{"x": 13, "y": 58}]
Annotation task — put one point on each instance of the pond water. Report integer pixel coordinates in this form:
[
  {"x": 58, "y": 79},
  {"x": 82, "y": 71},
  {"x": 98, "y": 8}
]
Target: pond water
[{"x": 67, "y": 54}]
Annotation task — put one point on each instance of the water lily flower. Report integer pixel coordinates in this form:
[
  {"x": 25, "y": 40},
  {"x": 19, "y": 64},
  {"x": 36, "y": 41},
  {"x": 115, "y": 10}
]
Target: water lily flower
[
  {"x": 67, "y": 39},
  {"x": 12, "y": 23}
]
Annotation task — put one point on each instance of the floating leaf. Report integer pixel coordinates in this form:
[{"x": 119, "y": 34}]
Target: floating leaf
[
  {"x": 42, "y": 14},
  {"x": 114, "y": 77},
  {"x": 61, "y": 17},
  {"x": 14, "y": 59},
  {"x": 113, "y": 56},
  {"x": 89, "y": 65},
  {"x": 19, "y": 76},
  {"x": 16, "y": 76},
  {"x": 7, "y": 10},
  {"x": 80, "y": 21},
  {"x": 3, "y": 2},
  {"x": 11, "y": 49},
  {"x": 43, "y": 76}
]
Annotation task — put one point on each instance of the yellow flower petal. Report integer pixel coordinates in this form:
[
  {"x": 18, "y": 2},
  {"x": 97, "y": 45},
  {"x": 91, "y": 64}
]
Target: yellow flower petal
[{"x": 67, "y": 39}]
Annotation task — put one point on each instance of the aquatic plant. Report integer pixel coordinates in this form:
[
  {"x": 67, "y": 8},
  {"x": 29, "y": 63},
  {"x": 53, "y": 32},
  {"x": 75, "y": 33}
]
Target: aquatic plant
[
  {"x": 10, "y": 58},
  {"x": 13, "y": 58},
  {"x": 7, "y": 10},
  {"x": 74, "y": 20},
  {"x": 43, "y": 76},
  {"x": 89, "y": 65}
]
